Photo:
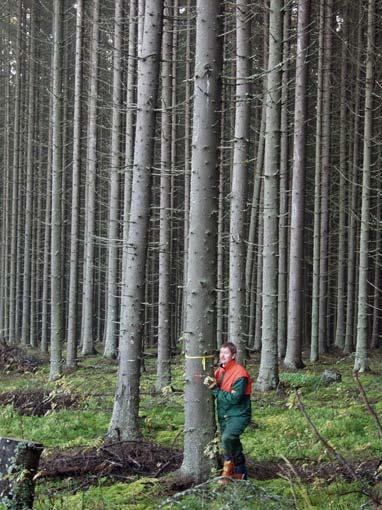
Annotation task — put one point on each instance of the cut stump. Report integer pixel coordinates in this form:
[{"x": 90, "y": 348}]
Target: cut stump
[{"x": 19, "y": 461}]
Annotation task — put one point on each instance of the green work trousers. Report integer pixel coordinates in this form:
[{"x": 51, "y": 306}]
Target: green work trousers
[{"x": 231, "y": 428}]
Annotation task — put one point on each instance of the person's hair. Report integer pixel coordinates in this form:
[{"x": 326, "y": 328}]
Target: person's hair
[{"x": 229, "y": 345}]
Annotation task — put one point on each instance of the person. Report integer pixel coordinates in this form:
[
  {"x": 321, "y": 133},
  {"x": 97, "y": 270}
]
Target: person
[{"x": 232, "y": 388}]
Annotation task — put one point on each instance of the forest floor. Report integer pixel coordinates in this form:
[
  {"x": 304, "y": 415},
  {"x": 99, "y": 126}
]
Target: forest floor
[{"x": 290, "y": 465}]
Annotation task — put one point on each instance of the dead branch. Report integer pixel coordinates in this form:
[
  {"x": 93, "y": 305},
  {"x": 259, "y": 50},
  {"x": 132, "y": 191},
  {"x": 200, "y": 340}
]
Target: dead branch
[
  {"x": 376, "y": 499},
  {"x": 367, "y": 403}
]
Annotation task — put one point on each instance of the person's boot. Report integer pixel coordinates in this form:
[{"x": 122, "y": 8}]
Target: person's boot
[
  {"x": 240, "y": 472},
  {"x": 227, "y": 473}
]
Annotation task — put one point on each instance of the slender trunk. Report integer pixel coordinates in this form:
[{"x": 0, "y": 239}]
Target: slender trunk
[
  {"x": 239, "y": 183},
  {"x": 163, "y": 363},
  {"x": 57, "y": 329},
  {"x": 87, "y": 333},
  {"x": 283, "y": 209},
  {"x": 341, "y": 293},
  {"x": 71, "y": 353},
  {"x": 25, "y": 327},
  {"x": 314, "y": 351},
  {"x": 268, "y": 373},
  {"x": 361, "y": 362},
  {"x": 325, "y": 182},
  {"x": 110, "y": 350},
  {"x": 296, "y": 253},
  {"x": 15, "y": 178},
  {"x": 352, "y": 227}
]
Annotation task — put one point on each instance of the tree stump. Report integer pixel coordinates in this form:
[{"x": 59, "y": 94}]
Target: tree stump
[{"x": 18, "y": 464}]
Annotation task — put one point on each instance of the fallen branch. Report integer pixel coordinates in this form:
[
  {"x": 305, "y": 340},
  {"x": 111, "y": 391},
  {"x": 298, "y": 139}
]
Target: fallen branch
[
  {"x": 367, "y": 403},
  {"x": 376, "y": 499}
]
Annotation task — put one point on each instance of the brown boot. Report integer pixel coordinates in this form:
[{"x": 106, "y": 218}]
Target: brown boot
[{"x": 227, "y": 473}]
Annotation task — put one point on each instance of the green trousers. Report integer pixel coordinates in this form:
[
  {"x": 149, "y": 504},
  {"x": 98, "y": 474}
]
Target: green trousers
[{"x": 231, "y": 429}]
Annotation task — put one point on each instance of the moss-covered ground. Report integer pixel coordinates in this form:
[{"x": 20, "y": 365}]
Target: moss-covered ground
[{"x": 278, "y": 431}]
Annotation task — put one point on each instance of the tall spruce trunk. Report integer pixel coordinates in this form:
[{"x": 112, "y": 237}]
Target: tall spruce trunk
[
  {"x": 199, "y": 330},
  {"x": 314, "y": 350},
  {"x": 268, "y": 373},
  {"x": 57, "y": 329},
  {"x": 72, "y": 335},
  {"x": 26, "y": 308},
  {"x": 239, "y": 183},
  {"x": 87, "y": 333},
  {"x": 284, "y": 189},
  {"x": 352, "y": 220},
  {"x": 341, "y": 267},
  {"x": 124, "y": 421},
  {"x": 361, "y": 362},
  {"x": 296, "y": 252},
  {"x": 325, "y": 182},
  {"x": 15, "y": 181},
  {"x": 163, "y": 362},
  {"x": 110, "y": 350}
]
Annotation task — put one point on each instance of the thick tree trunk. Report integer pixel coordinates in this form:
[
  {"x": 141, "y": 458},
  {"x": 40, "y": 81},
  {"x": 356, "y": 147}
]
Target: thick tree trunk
[
  {"x": 201, "y": 280},
  {"x": 18, "y": 464},
  {"x": 124, "y": 422}
]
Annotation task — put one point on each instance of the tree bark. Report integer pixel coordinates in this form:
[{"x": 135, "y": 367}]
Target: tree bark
[
  {"x": 268, "y": 373},
  {"x": 57, "y": 329},
  {"x": 296, "y": 253},
  {"x": 124, "y": 421},
  {"x": 201, "y": 280},
  {"x": 361, "y": 363}
]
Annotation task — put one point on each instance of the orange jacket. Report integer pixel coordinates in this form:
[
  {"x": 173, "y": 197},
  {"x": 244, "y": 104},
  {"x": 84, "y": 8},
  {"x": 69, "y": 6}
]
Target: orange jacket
[{"x": 228, "y": 375}]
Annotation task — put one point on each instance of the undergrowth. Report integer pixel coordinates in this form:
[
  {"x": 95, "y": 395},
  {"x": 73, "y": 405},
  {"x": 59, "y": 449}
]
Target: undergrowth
[{"x": 278, "y": 429}]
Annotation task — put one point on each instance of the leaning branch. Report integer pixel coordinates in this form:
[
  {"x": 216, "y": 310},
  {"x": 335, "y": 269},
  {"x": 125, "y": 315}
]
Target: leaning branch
[{"x": 367, "y": 403}]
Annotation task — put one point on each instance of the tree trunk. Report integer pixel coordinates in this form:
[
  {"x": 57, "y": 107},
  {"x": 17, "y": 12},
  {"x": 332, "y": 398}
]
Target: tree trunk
[
  {"x": 361, "y": 362},
  {"x": 268, "y": 373},
  {"x": 325, "y": 181},
  {"x": 124, "y": 421},
  {"x": 341, "y": 268},
  {"x": 236, "y": 312},
  {"x": 284, "y": 187},
  {"x": 71, "y": 353},
  {"x": 163, "y": 363},
  {"x": 87, "y": 333},
  {"x": 110, "y": 350},
  {"x": 18, "y": 464},
  {"x": 296, "y": 253},
  {"x": 25, "y": 326},
  {"x": 201, "y": 280},
  {"x": 57, "y": 327},
  {"x": 314, "y": 351}
]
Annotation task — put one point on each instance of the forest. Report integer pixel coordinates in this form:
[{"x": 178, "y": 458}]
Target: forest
[{"x": 176, "y": 174}]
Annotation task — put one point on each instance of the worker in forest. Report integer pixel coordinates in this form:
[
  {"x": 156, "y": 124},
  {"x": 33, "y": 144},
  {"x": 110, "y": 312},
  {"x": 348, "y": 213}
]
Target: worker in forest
[{"x": 232, "y": 387}]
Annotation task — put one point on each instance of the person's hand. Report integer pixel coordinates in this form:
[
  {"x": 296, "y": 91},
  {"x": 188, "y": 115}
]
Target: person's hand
[{"x": 210, "y": 382}]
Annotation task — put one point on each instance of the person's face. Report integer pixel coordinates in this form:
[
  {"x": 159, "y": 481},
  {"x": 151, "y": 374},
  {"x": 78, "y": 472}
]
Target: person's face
[{"x": 225, "y": 355}]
